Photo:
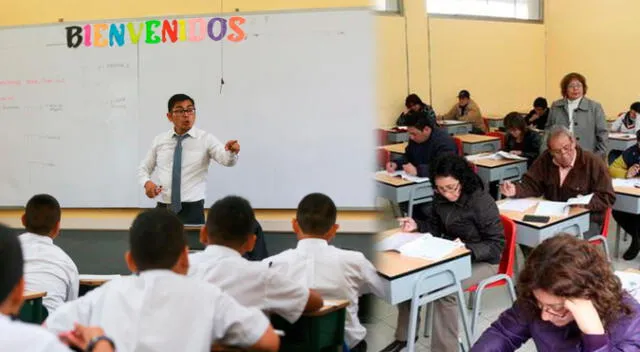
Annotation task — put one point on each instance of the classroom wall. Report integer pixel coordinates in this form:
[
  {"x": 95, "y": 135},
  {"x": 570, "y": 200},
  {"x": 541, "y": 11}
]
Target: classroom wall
[
  {"x": 506, "y": 64},
  {"x": 391, "y": 53},
  {"x": 444, "y": 55},
  {"x": 502, "y": 64},
  {"x": 600, "y": 40},
  {"x": 21, "y": 12}
]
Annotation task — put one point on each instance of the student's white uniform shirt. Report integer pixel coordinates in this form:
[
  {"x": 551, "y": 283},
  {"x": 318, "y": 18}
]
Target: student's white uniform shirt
[
  {"x": 18, "y": 336},
  {"x": 252, "y": 284},
  {"x": 198, "y": 149},
  {"x": 618, "y": 125},
  {"x": 48, "y": 268},
  {"x": 335, "y": 273},
  {"x": 159, "y": 310}
]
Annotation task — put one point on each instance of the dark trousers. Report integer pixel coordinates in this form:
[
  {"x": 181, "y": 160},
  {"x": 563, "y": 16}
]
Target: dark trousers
[
  {"x": 630, "y": 223},
  {"x": 192, "y": 213},
  {"x": 259, "y": 252},
  {"x": 360, "y": 347}
]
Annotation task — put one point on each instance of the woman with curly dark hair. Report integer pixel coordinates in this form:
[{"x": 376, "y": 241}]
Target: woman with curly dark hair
[
  {"x": 462, "y": 211},
  {"x": 569, "y": 299}
]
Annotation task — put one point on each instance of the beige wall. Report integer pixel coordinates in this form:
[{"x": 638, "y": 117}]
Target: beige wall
[
  {"x": 600, "y": 40},
  {"x": 500, "y": 63},
  {"x": 506, "y": 64},
  {"x": 23, "y": 11},
  {"x": 391, "y": 63}
]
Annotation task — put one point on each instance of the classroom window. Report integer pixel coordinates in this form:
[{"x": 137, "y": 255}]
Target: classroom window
[
  {"x": 388, "y": 6},
  {"x": 511, "y": 9}
]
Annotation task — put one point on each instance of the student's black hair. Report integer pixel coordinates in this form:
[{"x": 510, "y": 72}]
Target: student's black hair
[
  {"x": 540, "y": 102},
  {"x": 316, "y": 214},
  {"x": 419, "y": 120},
  {"x": 514, "y": 120},
  {"x": 178, "y": 98},
  {"x": 11, "y": 262},
  {"x": 230, "y": 220},
  {"x": 413, "y": 99},
  {"x": 156, "y": 239},
  {"x": 42, "y": 213},
  {"x": 635, "y": 107},
  {"x": 459, "y": 168}
]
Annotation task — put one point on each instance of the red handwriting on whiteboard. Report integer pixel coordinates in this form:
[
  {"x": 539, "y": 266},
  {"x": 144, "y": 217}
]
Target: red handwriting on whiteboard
[
  {"x": 9, "y": 83},
  {"x": 44, "y": 81}
]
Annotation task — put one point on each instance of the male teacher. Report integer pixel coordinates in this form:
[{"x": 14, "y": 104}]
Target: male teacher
[{"x": 181, "y": 159}]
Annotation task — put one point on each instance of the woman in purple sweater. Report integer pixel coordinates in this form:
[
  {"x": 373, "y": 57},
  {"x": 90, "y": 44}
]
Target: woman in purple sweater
[{"x": 569, "y": 299}]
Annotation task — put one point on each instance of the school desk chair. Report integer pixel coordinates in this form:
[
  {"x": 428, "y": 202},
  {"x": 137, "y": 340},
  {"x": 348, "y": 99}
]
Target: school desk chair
[
  {"x": 382, "y": 136},
  {"x": 499, "y": 135},
  {"x": 315, "y": 331},
  {"x": 384, "y": 156},
  {"x": 459, "y": 145},
  {"x": 602, "y": 238},
  {"x": 503, "y": 277},
  {"x": 33, "y": 311}
]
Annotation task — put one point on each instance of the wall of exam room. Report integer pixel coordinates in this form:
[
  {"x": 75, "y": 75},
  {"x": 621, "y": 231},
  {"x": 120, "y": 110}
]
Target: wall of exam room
[{"x": 506, "y": 64}]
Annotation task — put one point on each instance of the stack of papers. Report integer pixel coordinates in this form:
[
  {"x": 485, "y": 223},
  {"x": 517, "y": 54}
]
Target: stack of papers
[
  {"x": 549, "y": 208},
  {"x": 626, "y": 182},
  {"x": 404, "y": 176},
  {"x": 419, "y": 245},
  {"x": 630, "y": 283},
  {"x": 519, "y": 205},
  {"x": 501, "y": 155}
]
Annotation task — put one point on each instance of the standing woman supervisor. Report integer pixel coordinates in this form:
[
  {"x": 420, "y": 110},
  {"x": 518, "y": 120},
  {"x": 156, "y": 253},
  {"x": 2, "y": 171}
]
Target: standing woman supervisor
[
  {"x": 581, "y": 115},
  {"x": 181, "y": 157}
]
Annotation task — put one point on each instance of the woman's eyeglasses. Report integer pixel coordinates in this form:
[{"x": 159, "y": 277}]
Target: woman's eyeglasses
[{"x": 452, "y": 188}]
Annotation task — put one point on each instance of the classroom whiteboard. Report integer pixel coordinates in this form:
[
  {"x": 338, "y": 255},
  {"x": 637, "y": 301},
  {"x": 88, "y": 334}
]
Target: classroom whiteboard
[{"x": 298, "y": 95}]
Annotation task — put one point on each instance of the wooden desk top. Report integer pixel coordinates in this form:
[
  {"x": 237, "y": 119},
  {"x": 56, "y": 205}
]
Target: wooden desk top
[
  {"x": 632, "y": 191},
  {"x": 33, "y": 295},
  {"x": 329, "y": 307},
  {"x": 632, "y": 270},
  {"x": 622, "y": 136},
  {"x": 494, "y": 118},
  {"x": 272, "y": 220},
  {"x": 452, "y": 122},
  {"x": 396, "y": 148},
  {"x": 491, "y": 163},
  {"x": 392, "y": 180},
  {"x": 391, "y": 264},
  {"x": 517, "y": 216},
  {"x": 476, "y": 138}
]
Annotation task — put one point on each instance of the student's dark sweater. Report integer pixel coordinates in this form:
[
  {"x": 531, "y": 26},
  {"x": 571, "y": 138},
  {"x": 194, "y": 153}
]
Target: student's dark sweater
[{"x": 421, "y": 155}]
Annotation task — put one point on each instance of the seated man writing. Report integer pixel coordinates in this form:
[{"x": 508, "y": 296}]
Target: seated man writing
[{"x": 565, "y": 171}]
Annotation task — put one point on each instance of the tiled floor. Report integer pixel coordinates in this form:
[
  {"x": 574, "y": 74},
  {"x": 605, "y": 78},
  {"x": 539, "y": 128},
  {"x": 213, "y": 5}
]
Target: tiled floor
[{"x": 381, "y": 331}]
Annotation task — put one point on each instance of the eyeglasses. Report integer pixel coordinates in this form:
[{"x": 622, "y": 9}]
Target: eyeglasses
[
  {"x": 184, "y": 112},
  {"x": 557, "y": 310},
  {"x": 564, "y": 150},
  {"x": 452, "y": 188},
  {"x": 575, "y": 85}
]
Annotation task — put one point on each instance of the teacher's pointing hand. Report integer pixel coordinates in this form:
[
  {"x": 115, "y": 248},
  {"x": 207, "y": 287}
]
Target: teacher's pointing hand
[{"x": 232, "y": 146}]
